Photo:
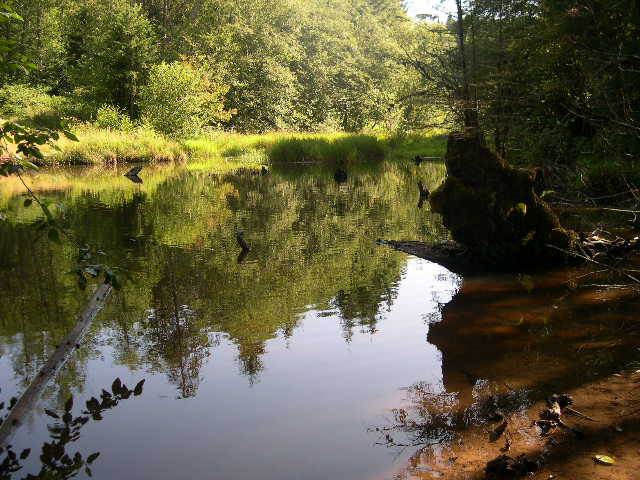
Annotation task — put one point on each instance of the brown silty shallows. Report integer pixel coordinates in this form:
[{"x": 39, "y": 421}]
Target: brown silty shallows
[{"x": 508, "y": 343}]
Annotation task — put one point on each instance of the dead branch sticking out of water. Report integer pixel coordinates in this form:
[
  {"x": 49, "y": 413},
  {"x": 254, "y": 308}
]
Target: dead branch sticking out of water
[
  {"x": 424, "y": 193},
  {"x": 244, "y": 246},
  {"x": 29, "y": 398}
]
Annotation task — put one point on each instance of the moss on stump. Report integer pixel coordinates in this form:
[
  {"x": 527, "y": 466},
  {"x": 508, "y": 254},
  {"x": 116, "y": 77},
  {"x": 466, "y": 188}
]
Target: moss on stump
[{"x": 492, "y": 209}]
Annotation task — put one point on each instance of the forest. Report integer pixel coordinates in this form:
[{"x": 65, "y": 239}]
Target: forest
[{"x": 550, "y": 82}]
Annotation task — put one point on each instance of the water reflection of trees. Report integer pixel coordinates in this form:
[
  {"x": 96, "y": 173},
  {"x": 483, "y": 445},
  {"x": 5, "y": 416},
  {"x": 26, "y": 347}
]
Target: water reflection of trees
[
  {"x": 34, "y": 320},
  {"x": 174, "y": 339},
  {"x": 311, "y": 247},
  {"x": 433, "y": 416}
]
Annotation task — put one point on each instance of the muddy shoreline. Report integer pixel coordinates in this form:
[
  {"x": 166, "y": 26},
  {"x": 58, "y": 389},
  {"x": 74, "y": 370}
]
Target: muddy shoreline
[{"x": 508, "y": 343}]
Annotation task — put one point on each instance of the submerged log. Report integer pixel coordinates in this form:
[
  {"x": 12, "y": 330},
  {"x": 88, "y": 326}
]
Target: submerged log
[{"x": 27, "y": 402}]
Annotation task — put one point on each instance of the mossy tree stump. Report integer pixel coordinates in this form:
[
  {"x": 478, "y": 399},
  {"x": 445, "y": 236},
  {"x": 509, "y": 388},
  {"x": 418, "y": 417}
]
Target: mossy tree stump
[{"x": 492, "y": 209}]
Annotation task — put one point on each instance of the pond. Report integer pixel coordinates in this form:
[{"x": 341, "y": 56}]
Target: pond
[{"x": 293, "y": 360}]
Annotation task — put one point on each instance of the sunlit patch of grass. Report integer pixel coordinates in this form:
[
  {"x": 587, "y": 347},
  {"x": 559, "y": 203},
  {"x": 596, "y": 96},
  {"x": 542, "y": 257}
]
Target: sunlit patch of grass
[
  {"x": 407, "y": 146},
  {"x": 142, "y": 145},
  {"x": 330, "y": 148},
  {"x": 101, "y": 146}
]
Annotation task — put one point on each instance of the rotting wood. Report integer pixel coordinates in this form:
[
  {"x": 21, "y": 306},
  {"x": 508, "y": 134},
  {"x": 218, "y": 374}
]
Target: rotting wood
[
  {"x": 498, "y": 220},
  {"x": 32, "y": 394}
]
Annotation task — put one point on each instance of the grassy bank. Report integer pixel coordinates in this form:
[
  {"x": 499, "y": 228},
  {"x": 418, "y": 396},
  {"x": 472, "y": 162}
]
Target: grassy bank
[{"x": 105, "y": 147}]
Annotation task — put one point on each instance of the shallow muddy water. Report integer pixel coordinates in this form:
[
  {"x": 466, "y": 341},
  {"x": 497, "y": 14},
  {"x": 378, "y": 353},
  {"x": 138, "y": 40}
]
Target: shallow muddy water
[{"x": 317, "y": 355}]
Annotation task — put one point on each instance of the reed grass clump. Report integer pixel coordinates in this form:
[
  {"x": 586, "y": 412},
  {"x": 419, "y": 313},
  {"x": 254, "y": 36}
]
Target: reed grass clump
[
  {"x": 101, "y": 146},
  {"x": 141, "y": 144},
  {"x": 331, "y": 148}
]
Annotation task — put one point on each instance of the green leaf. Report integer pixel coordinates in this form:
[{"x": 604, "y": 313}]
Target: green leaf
[
  {"x": 92, "y": 457},
  {"x": 29, "y": 165},
  {"x": 70, "y": 135},
  {"x": 116, "y": 386},
  {"x": 93, "y": 404},
  {"x": 51, "y": 414}
]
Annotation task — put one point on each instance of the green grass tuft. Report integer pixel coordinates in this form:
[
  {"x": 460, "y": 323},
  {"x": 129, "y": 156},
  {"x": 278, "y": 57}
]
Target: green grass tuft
[
  {"x": 331, "y": 149},
  {"x": 142, "y": 145},
  {"x": 101, "y": 146}
]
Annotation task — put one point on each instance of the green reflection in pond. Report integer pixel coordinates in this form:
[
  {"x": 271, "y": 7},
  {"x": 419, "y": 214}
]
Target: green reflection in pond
[{"x": 312, "y": 245}]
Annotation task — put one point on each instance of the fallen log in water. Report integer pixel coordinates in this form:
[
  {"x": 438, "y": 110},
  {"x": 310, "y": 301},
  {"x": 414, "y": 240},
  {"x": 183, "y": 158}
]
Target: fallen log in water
[
  {"x": 450, "y": 255},
  {"x": 32, "y": 394}
]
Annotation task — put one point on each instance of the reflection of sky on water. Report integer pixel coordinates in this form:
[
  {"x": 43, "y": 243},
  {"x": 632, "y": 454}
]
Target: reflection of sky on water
[{"x": 305, "y": 417}]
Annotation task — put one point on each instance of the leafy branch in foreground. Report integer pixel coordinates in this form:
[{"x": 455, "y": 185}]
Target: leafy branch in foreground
[
  {"x": 19, "y": 145},
  {"x": 27, "y": 143},
  {"x": 56, "y": 462}
]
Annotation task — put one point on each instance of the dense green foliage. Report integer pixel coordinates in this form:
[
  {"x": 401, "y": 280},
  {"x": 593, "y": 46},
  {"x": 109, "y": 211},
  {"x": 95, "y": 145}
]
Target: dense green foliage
[
  {"x": 247, "y": 65},
  {"x": 181, "y": 99},
  {"x": 550, "y": 81}
]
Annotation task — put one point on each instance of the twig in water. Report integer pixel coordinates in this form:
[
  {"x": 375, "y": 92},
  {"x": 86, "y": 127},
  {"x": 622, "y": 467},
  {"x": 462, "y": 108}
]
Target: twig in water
[{"x": 579, "y": 414}]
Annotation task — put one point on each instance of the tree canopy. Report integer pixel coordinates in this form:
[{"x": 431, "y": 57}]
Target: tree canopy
[{"x": 282, "y": 64}]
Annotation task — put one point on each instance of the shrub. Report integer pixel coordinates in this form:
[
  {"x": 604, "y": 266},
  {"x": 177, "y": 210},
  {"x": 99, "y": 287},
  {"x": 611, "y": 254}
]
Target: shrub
[
  {"x": 180, "y": 99},
  {"x": 111, "y": 117},
  {"x": 24, "y": 101}
]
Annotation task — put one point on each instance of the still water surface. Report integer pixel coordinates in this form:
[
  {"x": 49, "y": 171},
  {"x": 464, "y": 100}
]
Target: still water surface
[{"x": 281, "y": 364}]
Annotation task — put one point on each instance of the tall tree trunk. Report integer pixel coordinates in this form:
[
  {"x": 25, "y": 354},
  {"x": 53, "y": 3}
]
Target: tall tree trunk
[
  {"x": 469, "y": 110},
  {"x": 501, "y": 127}
]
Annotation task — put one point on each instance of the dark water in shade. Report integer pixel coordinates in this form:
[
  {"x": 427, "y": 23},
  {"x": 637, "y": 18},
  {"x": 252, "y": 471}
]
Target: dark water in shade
[{"x": 279, "y": 366}]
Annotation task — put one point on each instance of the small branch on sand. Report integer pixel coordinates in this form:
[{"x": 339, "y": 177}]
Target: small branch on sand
[{"x": 578, "y": 414}]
